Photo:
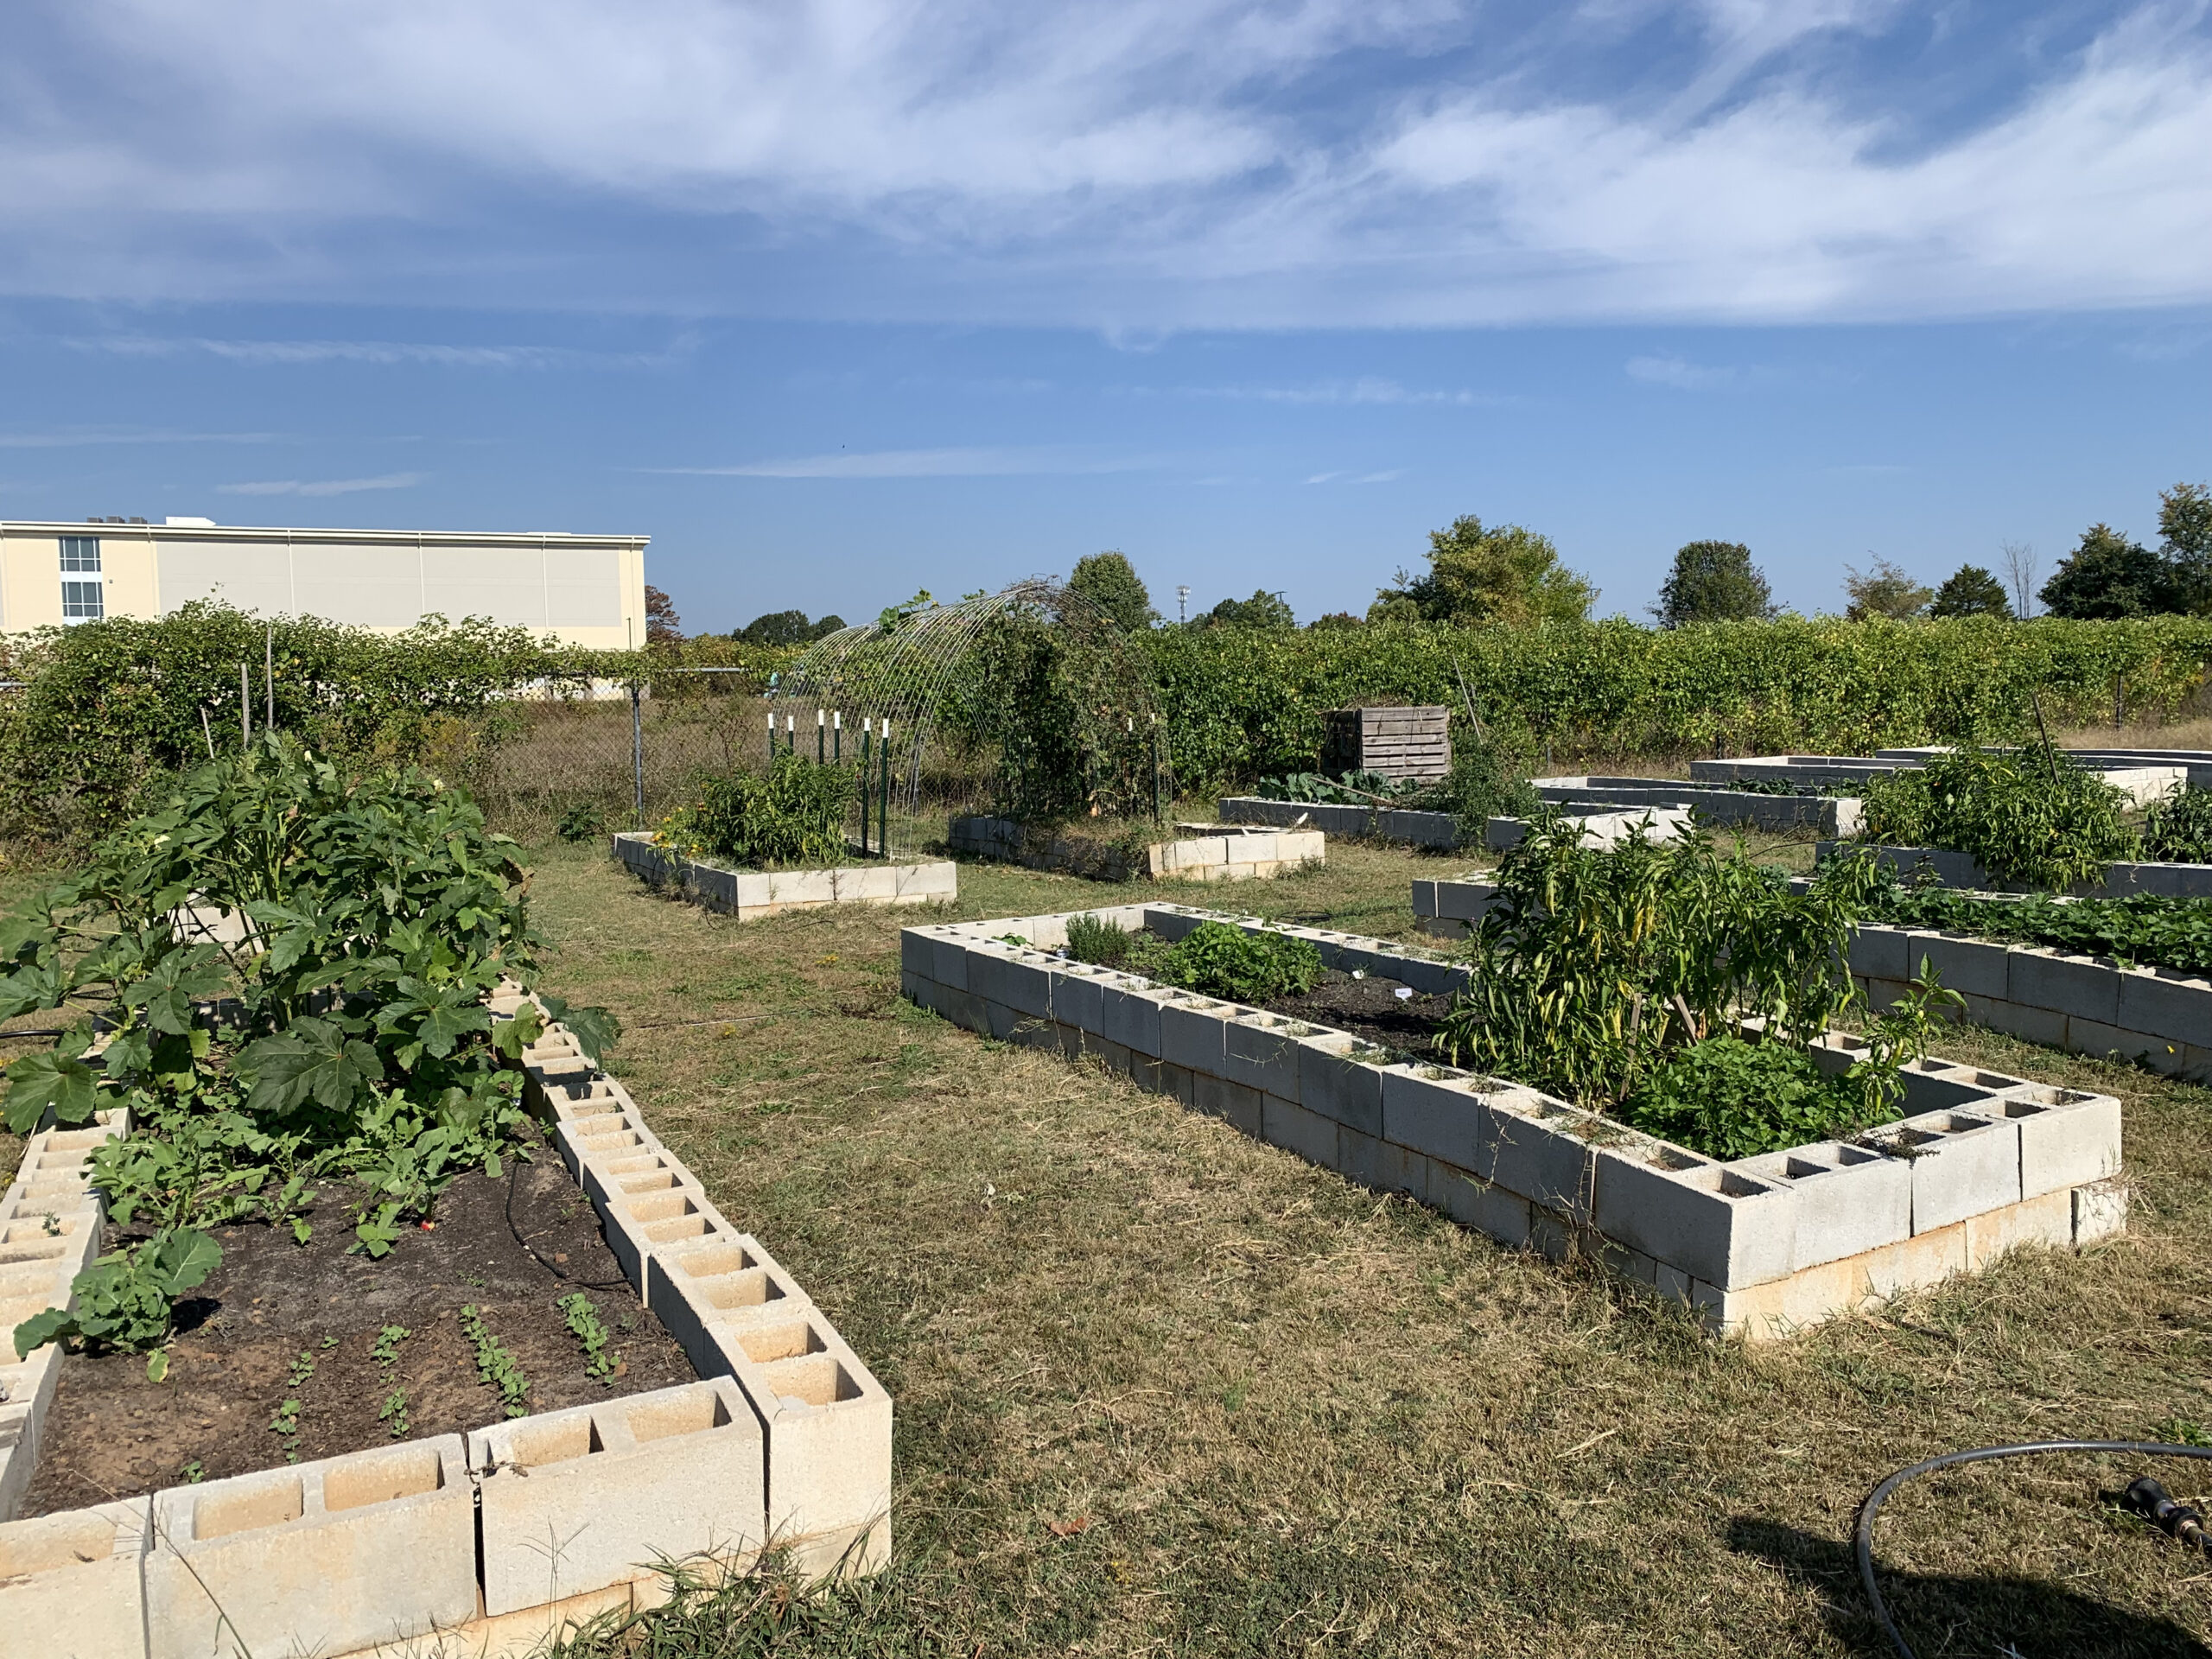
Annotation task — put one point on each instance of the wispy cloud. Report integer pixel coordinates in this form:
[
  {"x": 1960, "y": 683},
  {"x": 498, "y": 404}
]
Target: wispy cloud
[
  {"x": 76, "y": 437},
  {"x": 1006, "y": 462},
  {"x": 1151, "y": 166},
  {"x": 325, "y": 485},
  {"x": 377, "y": 352},
  {"x": 1358, "y": 478},
  {"x": 1366, "y": 390},
  {"x": 1682, "y": 374}
]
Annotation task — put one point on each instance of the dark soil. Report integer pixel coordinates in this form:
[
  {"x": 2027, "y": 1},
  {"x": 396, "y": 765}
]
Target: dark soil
[
  {"x": 1369, "y": 1009},
  {"x": 509, "y": 1248}
]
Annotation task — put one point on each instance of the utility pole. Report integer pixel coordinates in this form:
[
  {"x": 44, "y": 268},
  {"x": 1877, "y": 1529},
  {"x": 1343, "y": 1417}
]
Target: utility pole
[{"x": 1182, "y": 604}]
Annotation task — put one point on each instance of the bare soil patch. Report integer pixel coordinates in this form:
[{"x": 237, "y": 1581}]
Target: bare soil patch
[
  {"x": 1380, "y": 1011},
  {"x": 509, "y": 1248}
]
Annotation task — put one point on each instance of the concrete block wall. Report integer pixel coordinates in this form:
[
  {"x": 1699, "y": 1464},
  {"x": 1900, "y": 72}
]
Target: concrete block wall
[
  {"x": 487, "y": 1545},
  {"x": 2087, "y": 1005},
  {"x": 1980, "y": 1163},
  {"x": 1201, "y": 852},
  {"x": 1602, "y": 823},
  {"x": 1827, "y": 814},
  {"x": 748, "y": 893},
  {"x": 2124, "y": 879},
  {"x": 1438, "y": 829}
]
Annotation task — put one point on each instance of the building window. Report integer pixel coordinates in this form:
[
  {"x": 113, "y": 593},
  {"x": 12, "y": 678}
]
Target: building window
[{"x": 81, "y": 602}]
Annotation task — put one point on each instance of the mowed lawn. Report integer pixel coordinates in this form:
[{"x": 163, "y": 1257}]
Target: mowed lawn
[{"x": 1163, "y": 1389}]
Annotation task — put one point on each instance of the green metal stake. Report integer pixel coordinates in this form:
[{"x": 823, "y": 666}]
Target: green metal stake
[
  {"x": 883, "y": 816},
  {"x": 864, "y": 783},
  {"x": 838, "y": 737}
]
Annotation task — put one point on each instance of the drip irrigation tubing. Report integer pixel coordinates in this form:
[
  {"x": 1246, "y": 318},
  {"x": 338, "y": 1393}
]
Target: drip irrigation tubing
[{"x": 1863, "y": 1541}]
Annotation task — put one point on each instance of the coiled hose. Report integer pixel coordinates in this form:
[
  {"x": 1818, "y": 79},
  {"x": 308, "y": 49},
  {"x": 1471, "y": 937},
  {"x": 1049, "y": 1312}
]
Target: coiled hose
[{"x": 2145, "y": 1495}]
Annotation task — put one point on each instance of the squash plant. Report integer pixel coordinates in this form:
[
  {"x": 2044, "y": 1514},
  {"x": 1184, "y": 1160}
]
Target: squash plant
[{"x": 343, "y": 1036}]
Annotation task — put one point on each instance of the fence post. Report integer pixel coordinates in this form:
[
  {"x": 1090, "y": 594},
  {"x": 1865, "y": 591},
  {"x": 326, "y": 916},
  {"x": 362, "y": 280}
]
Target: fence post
[
  {"x": 638, "y": 749},
  {"x": 883, "y": 810},
  {"x": 867, "y": 721}
]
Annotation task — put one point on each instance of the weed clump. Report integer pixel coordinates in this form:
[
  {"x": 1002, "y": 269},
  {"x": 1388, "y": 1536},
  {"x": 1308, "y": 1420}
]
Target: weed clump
[{"x": 793, "y": 814}]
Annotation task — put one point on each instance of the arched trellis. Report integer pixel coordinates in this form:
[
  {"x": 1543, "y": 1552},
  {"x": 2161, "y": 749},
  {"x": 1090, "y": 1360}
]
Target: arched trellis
[{"x": 1031, "y": 703}]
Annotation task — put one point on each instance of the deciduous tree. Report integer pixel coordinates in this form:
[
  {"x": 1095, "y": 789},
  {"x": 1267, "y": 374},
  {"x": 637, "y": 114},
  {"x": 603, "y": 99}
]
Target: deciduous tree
[
  {"x": 1713, "y": 582},
  {"x": 1108, "y": 581},
  {"x": 1506, "y": 574}
]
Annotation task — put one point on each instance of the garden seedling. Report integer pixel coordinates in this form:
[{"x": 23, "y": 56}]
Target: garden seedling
[
  {"x": 495, "y": 1366},
  {"x": 583, "y": 1322},
  {"x": 385, "y": 1352}
]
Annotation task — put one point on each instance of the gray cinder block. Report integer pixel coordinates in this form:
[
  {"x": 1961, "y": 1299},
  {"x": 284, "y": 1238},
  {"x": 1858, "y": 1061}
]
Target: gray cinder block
[{"x": 1712, "y": 1221}]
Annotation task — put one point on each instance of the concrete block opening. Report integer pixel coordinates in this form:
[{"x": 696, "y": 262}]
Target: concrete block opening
[
  {"x": 224, "y": 1513},
  {"x": 751, "y": 1287},
  {"x": 666, "y": 1206},
  {"x": 560, "y": 1441},
  {"x": 65, "y": 1539},
  {"x": 687, "y": 1411},
  {"x": 380, "y": 1478},
  {"x": 714, "y": 1261},
  {"x": 812, "y": 1379},
  {"x": 779, "y": 1341},
  {"x": 696, "y": 1225}
]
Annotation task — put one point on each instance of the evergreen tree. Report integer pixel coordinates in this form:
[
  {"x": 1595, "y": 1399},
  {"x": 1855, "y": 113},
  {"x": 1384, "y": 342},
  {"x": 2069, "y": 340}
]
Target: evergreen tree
[
  {"x": 1108, "y": 581},
  {"x": 1971, "y": 591},
  {"x": 2107, "y": 576},
  {"x": 1713, "y": 582}
]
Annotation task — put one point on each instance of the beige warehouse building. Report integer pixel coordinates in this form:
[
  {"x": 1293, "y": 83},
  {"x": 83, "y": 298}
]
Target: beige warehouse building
[{"x": 585, "y": 590}]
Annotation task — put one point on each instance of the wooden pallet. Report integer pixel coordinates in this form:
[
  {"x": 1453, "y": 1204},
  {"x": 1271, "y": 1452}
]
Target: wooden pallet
[{"x": 1406, "y": 742}]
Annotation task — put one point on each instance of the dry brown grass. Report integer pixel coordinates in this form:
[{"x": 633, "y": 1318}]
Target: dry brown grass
[{"x": 1162, "y": 1388}]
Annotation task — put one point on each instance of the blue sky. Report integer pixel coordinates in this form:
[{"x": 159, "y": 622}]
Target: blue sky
[{"x": 837, "y": 301}]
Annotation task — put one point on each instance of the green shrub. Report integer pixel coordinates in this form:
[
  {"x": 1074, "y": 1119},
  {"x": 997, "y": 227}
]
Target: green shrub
[
  {"x": 2026, "y": 816},
  {"x": 2178, "y": 829},
  {"x": 1483, "y": 784},
  {"x": 1218, "y": 959},
  {"x": 794, "y": 813},
  {"x": 1730, "y": 1098},
  {"x": 127, "y": 1300}
]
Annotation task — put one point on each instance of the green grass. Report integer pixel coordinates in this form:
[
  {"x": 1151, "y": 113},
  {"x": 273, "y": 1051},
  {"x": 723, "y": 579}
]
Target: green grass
[{"x": 1162, "y": 1388}]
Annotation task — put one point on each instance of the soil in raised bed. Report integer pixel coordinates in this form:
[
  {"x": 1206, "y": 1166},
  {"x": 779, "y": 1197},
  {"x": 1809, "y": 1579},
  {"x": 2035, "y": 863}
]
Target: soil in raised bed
[
  {"x": 1372, "y": 1009},
  {"x": 509, "y": 1247}
]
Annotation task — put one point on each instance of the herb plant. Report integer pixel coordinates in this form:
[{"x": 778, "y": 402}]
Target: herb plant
[
  {"x": 1093, "y": 940},
  {"x": 2026, "y": 816}
]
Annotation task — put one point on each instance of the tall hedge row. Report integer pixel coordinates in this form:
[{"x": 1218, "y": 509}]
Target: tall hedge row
[{"x": 1246, "y": 703}]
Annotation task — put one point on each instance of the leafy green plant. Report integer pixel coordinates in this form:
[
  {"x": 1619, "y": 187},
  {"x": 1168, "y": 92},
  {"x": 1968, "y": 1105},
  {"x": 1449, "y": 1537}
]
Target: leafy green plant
[
  {"x": 1218, "y": 959},
  {"x": 127, "y": 1300},
  {"x": 793, "y": 813},
  {"x": 584, "y": 1324},
  {"x": 2027, "y": 815},
  {"x": 2142, "y": 931},
  {"x": 495, "y": 1366},
  {"x": 344, "y": 1033},
  {"x": 385, "y": 1352},
  {"x": 1596, "y": 966},
  {"x": 583, "y": 820},
  {"x": 2178, "y": 829}
]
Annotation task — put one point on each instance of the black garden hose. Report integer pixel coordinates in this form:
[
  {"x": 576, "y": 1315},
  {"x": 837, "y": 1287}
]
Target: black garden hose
[{"x": 2145, "y": 1496}]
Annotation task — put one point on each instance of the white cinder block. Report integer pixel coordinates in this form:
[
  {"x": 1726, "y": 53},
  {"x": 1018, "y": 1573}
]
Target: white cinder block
[
  {"x": 1975, "y": 967},
  {"x": 71, "y": 1586},
  {"x": 1191, "y": 1033},
  {"x": 1848, "y": 1199},
  {"x": 1963, "y": 1163},
  {"x": 322, "y": 1558},
  {"x": 2100, "y": 1210},
  {"x": 1129, "y": 1015},
  {"x": 674, "y": 1216},
  {"x": 2067, "y": 1137},
  {"x": 1078, "y": 998},
  {"x": 577, "y": 1500},
  {"x": 1483, "y": 1205},
  {"x": 713, "y": 1282},
  {"x": 1711, "y": 1221},
  {"x": 1532, "y": 1152},
  {"x": 1293, "y": 1128},
  {"x": 1333, "y": 1083},
  {"x": 1879, "y": 953},
  {"x": 2160, "y": 1003},
  {"x": 2065, "y": 984},
  {"x": 828, "y": 1423},
  {"x": 1260, "y": 1051}
]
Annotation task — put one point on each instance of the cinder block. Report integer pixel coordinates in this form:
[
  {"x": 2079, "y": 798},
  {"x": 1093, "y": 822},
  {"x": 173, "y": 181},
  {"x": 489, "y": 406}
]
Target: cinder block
[
  {"x": 575, "y": 1501},
  {"x": 716, "y": 1281},
  {"x": 950, "y": 953},
  {"x": 1217, "y": 1097},
  {"x": 71, "y": 1585},
  {"x": 1436, "y": 1112},
  {"x": 1879, "y": 953},
  {"x": 1927, "y": 1258},
  {"x": 1975, "y": 967},
  {"x": 1191, "y": 1033},
  {"x": 1260, "y": 1050},
  {"x": 321, "y": 1558},
  {"x": 917, "y": 952},
  {"x": 1378, "y": 1165},
  {"x": 828, "y": 1423},
  {"x": 2047, "y": 1220},
  {"x": 2045, "y": 1026},
  {"x": 1334, "y": 1084},
  {"x": 1293, "y": 1128},
  {"x": 1483, "y": 1205},
  {"x": 1712, "y": 1221},
  {"x": 2071, "y": 985},
  {"x": 1532, "y": 1151},
  {"x": 1129, "y": 1015},
  {"x": 1078, "y": 998},
  {"x": 1849, "y": 1200},
  {"x": 2161, "y": 1003},
  {"x": 2100, "y": 1210},
  {"x": 1024, "y": 985},
  {"x": 635, "y": 1223},
  {"x": 2067, "y": 1137},
  {"x": 1962, "y": 1164}
]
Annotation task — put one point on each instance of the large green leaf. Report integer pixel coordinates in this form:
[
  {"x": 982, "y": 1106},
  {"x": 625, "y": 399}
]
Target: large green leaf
[
  {"x": 167, "y": 993},
  {"x": 42, "y": 1328},
  {"x": 183, "y": 1259},
  {"x": 596, "y": 1030},
  {"x": 38, "y": 1082},
  {"x": 315, "y": 1060}
]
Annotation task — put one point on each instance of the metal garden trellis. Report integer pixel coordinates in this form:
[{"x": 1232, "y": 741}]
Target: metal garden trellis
[{"x": 927, "y": 702}]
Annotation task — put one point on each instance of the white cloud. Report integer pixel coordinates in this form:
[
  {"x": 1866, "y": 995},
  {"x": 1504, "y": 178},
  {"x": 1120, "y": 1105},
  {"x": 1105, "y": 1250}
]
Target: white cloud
[
  {"x": 1365, "y": 389},
  {"x": 78, "y": 437},
  {"x": 1145, "y": 167},
  {"x": 1679, "y": 372},
  {"x": 1358, "y": 478},
  {"x": 378, "y": 352},
  {"x": 325, "y": 485},
  {"x": 1005, "y": 462}
]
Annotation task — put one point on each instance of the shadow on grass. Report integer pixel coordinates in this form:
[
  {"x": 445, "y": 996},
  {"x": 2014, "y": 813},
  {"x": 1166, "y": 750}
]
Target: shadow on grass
[{"x": 1947, "y": 1614}]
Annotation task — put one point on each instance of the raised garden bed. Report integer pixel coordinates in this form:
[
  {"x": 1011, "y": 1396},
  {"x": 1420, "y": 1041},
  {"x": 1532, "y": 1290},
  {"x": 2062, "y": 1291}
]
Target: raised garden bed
[
  {"x": 1981, "y": 1162},
  {"x": 1198, "y": 852},
  {"x": 1604, "y": 823},
  {"x": 1826, "y": 815},
  {"x": 1437, "y": 829},
  {"x": 493, "y": 1540},
  {"x": 1951, "y": 869},
  {"x": 749, "y": 893},
  {"x": 2142, "y": 783}
]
